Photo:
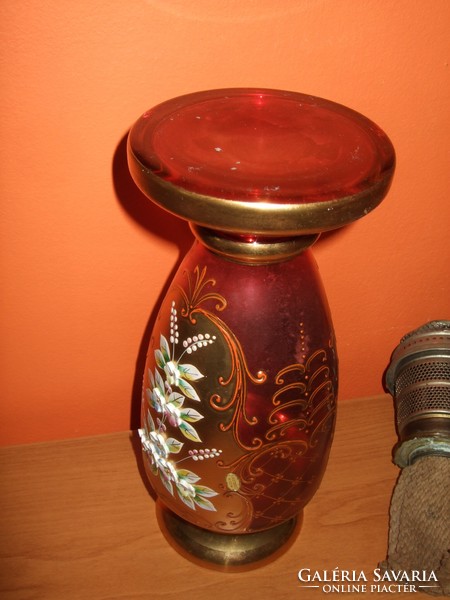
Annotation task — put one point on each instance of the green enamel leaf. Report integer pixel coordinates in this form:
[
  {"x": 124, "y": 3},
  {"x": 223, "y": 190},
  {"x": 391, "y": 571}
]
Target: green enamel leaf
[
  {"x": 176, "y": 399},
  {"x": 159, "y": 382},
  {"x": 165, "y": 348},
  {"x": 204, "y": 503},
  {"x": 204, "y": 491},
  {"x": 150, "y": 399},
  {"x": 188, "y": 475},
  {"x": 188, "y": 390},
  {"x": 190, "y": 415},
  {"x": 190, "y": 372},
  {"x": 160, "y": 361},
  {"x": 150, "y": 423},
  {"x": 189, "y": 432},
  {"x": 174, "y": 445},
  {"x": 187, "y": 500},
  {"x": 167, "y": 484}
]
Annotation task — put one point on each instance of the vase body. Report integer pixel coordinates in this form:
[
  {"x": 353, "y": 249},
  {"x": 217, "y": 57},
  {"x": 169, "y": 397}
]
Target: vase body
[
  {"x": 239, "y": 394},
  {"x": 240, "y": 385}
]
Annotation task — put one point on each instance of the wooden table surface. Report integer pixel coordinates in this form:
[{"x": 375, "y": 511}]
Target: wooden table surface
[{"x": 79, "y": 523}]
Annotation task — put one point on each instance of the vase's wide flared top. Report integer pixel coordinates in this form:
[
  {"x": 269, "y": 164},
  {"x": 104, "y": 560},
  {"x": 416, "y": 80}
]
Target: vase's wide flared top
[{"x": 260, "y": 160}]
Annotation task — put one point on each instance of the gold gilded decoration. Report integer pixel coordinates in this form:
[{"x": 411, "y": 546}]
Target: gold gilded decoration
[
  {"x": 259, "y": 217},
  {"x": 314, "y": 394},
  {"x": 260, "y": 251},
  {"x": 271, "y": 479},
  {"x": 239, "y": 513},
  {"x": 233, "y": 482},
  {"x": 239, "y": 371},
  {"x": 277, "y": 476},
  {"x": 196, "y": 294}
]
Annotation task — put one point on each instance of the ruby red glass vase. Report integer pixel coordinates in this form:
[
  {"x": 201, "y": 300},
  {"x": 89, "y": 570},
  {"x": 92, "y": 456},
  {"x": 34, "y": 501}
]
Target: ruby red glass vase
[{"x": 239, "y": 394}]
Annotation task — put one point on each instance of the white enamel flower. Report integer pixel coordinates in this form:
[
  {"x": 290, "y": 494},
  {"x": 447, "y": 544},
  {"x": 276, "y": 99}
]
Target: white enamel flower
[{"x": 172, "y": 373}]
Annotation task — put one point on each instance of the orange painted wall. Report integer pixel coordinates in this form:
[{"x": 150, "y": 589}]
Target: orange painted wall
[{"x": 85, "y": 259}]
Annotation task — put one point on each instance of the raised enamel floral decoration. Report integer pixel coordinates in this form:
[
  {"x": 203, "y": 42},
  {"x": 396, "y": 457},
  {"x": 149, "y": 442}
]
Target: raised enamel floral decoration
[{"x": 171, "y": 389}]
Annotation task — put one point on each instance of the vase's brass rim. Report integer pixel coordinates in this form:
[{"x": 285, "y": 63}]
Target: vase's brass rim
[
  {"x": 263, "y": 218},
  {"x": 227, "y": 551},
  {"x": 258, "y": 252}
]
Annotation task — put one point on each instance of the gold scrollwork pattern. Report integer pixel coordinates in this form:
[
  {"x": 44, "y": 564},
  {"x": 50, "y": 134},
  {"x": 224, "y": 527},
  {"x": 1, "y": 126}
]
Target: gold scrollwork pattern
[
  {"x": 279, "y": 475},
  {"x": 239, "y": 371}
]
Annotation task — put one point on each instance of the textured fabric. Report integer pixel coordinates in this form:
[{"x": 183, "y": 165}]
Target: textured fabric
[{"x": 419, "y": 536}]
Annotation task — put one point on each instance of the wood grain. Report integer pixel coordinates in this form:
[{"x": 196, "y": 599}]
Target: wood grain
[{"x": 78, "y": 521}]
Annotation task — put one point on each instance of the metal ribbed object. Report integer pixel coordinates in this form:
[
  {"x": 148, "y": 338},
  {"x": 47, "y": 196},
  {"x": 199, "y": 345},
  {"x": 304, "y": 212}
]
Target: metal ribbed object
[{"x": 419, "y": 380}]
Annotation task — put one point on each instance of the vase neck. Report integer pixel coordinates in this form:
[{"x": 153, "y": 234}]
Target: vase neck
[{"x": 252, "y": 249}]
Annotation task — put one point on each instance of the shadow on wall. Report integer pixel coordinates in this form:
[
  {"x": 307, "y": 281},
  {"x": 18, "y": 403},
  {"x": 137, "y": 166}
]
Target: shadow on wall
[{"x": 160, "y": 224}]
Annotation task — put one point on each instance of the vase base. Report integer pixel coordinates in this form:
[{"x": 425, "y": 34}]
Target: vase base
[{"x": 227, "y": 551}]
